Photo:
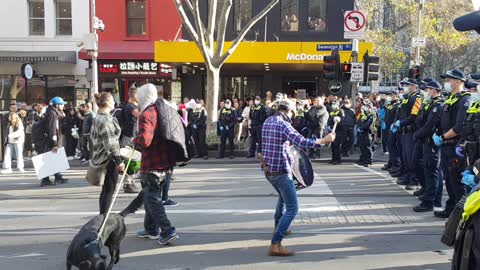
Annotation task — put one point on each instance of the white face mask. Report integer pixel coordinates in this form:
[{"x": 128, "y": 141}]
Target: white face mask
[
  {"x": 475, "y": 97},
  {"x": 228, "y": 106},
  {"x": 406, "y": 90},
  {"x": 199, "y": 106},
  {"x": 427, "y": 97},
  {"x": 299, "y": 108},
  {"x": 389, "y": 99},
  {"x": 448, "y": 87},
  {"x": 257, "y": 102},
  {"x": 348, "y": 106}
]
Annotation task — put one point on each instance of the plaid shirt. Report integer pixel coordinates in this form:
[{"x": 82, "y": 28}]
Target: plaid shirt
[
  {"x": 105, "y": 136},
  {"x": 277, "y": 134},
  {"x": 155, "y": 151}
]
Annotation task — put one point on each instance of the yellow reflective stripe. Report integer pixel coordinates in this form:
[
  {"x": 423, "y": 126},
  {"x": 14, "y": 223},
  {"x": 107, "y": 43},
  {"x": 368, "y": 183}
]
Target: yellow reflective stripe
[{"x": 416, "y": 106}]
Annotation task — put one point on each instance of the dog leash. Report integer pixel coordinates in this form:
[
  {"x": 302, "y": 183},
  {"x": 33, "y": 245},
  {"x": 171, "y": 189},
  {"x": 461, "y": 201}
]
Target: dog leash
[{"x": 100, "y": 231}]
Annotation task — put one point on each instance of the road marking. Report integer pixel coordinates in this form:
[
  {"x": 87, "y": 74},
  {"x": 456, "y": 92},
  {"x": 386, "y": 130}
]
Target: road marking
[{"x": 384, "y": 176}]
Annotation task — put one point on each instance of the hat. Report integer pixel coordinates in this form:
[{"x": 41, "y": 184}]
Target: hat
[
  {"x": 286, "y": 103},
  {"x": 409, "y": 81},
  {"x": 227, "y": 101},
  {"x": 456, "y": 74},
  {"x": 475, "y": 76},
  {"x": 424, "y": 82},
  {"x": 258, "y": 98},
  {"x": 434, "y": 85},
  {"x": 471, "y": 84},
  {"x": 57, "y": 101},
  {"x": 468, "y": 22}
]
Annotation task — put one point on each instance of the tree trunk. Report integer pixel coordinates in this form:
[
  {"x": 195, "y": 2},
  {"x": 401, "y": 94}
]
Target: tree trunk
[{"x": 213, "y": 90}]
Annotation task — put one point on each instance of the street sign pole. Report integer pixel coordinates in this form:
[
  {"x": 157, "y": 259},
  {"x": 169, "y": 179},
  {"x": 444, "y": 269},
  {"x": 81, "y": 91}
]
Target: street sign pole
[
  {"x": 354, "y": 85},
  {"x": 420, "y": 8}
]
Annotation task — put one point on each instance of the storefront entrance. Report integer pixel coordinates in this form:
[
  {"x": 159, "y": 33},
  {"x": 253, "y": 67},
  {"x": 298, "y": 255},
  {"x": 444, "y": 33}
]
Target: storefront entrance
[{"x": 304, "y": 88}]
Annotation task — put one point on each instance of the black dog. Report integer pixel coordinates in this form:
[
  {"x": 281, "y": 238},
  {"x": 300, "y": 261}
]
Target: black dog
[{"x": 85, "y": 252}]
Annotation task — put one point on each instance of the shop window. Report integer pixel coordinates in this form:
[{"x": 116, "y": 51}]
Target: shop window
[
  {"x": 64, "y": 17},
  {"x": 18, "y": 89},
  {"x": 136, "y": 18},
  {"x": 317, "y": 15},
  {"x": 5, "y": 87},
  {"x": 242, "y": 13},
  {"x": 61, "y": 86},
  {"x": 36, "y": 17},
  {"x": 290, "y": 13},
  {"x": 36, "y": 90},
  {"x": 240, "y": 87},
  {"x": 113, "y": 86}
]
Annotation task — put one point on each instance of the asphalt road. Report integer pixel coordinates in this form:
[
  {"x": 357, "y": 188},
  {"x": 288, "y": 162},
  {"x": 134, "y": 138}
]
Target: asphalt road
[{"x": 351, "y": 218}]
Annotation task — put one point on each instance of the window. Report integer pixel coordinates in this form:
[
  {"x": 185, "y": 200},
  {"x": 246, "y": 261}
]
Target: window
[
  {"x": 64, "y": 17},
  {"x": 289, "y": 12},
  {"x": 58, "y": 86},
  {"x": 317, "y": 15},
  {"x": 36, "y": 17},
  {"x": 242, "y": 13},
  {"x": 136, "y": 18},
  {"x": 36, "y": 90}
]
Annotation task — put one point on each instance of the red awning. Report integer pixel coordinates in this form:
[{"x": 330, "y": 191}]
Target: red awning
[{"x": 123, "y": 50}]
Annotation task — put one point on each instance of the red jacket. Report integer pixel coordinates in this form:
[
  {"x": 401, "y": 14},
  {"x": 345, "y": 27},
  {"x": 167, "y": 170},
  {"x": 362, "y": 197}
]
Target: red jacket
[{"x": 155, "y": 151}]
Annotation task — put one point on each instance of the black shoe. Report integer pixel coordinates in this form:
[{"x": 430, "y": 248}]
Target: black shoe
[
  {"x": 196, "y": 156},
  {"x": 385, "y": 167},
  {"x": 419, "y": 192},
  {"x": 232, "y": 157},
  {"x": 220, "y": 157},
  {"x": 205, "y": 157},
  {"x": 46, "y": 182},
  {"x": 61, "y": 180},
  {"x": 367, "y": 164},
  {"x": 411, "y": 186},
  {"x": 442, "y": 214},
  {"x": 402, "y": 181},
  {"x": 336, "y": 162},
  {"x": 423, "y": 207},
  {"x": 359, "y": 162},
  {"x": 422, "y": 197}
]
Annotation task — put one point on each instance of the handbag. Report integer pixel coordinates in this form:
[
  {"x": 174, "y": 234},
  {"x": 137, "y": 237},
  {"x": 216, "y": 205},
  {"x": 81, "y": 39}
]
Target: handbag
[{"x": 96, "y": 173}]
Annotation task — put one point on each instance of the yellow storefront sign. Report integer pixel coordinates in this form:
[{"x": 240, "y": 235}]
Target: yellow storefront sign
[{"x": 259, "y": 52}]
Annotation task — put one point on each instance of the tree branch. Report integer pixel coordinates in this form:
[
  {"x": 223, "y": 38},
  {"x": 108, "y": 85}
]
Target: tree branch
[
  {"x": 222, "y": 28},
  {"x": 186, "y": 20},
  {"x": 212, "y": 17},
  {"x": 204, "y": 49},
  {"x": 244, "y": 32}
]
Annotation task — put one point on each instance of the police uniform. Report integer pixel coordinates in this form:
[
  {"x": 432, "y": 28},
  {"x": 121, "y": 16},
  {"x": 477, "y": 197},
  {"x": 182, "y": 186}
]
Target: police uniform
[
  {"x": 258, "y": 115},
  {"x": 198, "y": 123},
  {"x": 427, "y": 121},
  {"x": 394, "y": 152},
  {"x": 453, "y": 114},
  {"x": 408, "y": 112},
  {"x": 471, "y": 134},
  {"x": 364, "y": 131},
  {"x": 300, "y": 122},
  {"x": 226, "y": 122},
  {"x": 340, "y": 133}
]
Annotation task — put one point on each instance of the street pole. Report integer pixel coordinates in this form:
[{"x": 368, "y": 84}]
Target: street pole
[
  {"x": 94, "y": 55},
  {"x": 420, "y": 8},
  {"x": 355, "y": 85}
]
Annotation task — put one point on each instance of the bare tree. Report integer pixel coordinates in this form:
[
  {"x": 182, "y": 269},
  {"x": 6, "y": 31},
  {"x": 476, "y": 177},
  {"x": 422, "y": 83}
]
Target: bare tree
[{"x": 210, "y": 40}]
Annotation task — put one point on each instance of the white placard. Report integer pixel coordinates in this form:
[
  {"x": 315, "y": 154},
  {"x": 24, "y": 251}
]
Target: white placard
[
  {"x": 48, "y": 164},
  {"x": 419, "y": 42},
  {"x": 357, "y": 72}
]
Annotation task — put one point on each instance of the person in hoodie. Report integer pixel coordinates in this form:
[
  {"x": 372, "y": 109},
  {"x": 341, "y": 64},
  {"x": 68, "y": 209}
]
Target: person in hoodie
[
  {"x": 53, "y": 140},
  {"x": 317, "y": 122},
  {"x": 349, "y": 125},
  {"x": 158, "y": 159}
]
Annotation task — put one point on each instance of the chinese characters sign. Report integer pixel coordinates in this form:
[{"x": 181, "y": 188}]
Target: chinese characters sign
[{"x": 135, "y": 68}]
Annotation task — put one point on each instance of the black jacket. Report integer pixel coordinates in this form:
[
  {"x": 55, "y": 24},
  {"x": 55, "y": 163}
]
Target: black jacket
[
  {"x": 349, "y": 120},
  {"x": 258, "y": 115},
  {"x": 228, "y": 117},
  {"x": 53, "y": 128}
]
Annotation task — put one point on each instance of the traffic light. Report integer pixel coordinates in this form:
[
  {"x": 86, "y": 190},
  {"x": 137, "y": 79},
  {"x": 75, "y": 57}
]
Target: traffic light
[
  {"x": 415, "y": 72},
  {"x": 371, "y": 68},
  {"x": 332, "y": 66},
  {"x": 346, "y": 69}
]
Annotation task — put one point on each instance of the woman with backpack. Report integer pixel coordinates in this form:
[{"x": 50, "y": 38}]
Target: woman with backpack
[{"x": 15, "y": 140}]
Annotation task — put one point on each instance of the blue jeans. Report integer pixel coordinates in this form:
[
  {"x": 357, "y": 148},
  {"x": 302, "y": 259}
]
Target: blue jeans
[
  {"x": 166, "y": 186},
  {"x": 155, "y": 216},
  {"x": 287, "y": 197}
]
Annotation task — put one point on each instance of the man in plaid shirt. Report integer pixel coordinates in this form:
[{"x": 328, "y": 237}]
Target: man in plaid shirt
[{"x": 277, "y": 134}]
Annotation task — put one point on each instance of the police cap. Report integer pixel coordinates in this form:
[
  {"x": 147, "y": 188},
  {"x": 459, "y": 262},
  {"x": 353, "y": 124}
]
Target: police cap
[
  {"x": 468, "y": 22},
  {"x": 470, "y": 84},
  {"x": 409, "y": 81},
  {"x": 455, "y": 74},
  {"x": 434, "y": 85}
]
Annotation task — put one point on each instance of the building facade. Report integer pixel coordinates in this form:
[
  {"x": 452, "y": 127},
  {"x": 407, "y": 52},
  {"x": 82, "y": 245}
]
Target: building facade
[
  {"x": 126, "y": 47},
  {"x": 282, "y": 53},
  {"x": 43, "y": 33}
]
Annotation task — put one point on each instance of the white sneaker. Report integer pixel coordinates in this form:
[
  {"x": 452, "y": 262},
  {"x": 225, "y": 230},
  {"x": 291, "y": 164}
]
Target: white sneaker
[
  {"x": 6, "y": 171},
  {"x": 386, "y": 153}
]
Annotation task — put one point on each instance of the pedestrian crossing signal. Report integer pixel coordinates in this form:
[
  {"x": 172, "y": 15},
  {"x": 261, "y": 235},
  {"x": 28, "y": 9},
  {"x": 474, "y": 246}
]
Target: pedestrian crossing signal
[
  {"x": 371, "y": 67},
  {"x": 346, "y": 72}
]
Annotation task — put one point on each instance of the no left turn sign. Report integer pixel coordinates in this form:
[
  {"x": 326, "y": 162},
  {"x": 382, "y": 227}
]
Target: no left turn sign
[{"x": 354, "y": 24}]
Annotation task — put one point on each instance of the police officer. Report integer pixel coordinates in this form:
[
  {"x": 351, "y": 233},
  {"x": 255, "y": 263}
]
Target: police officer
[
  {"x": 340, "y": 132},
  {"x": 348, "y": 124},
  {"x": 364, "y": 130},
  {"x": 393, "y": 163},
  {"x": 470, "y": 143},
  {"x": 226, "y": 122},
  {"x": 198, "y": 123},
  {"x": 427, "y": 121},
  {"x": 300, "y": 121},
  {"x": 395, "y": 138},
  {"x": 405, "y": 123},
  {"x": 258, "y": 115},
  {"x": 448, "y": 135}
]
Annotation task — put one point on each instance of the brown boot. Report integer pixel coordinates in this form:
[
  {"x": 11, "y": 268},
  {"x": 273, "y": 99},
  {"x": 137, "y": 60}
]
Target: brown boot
[{"x": 279, "y": 250}]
